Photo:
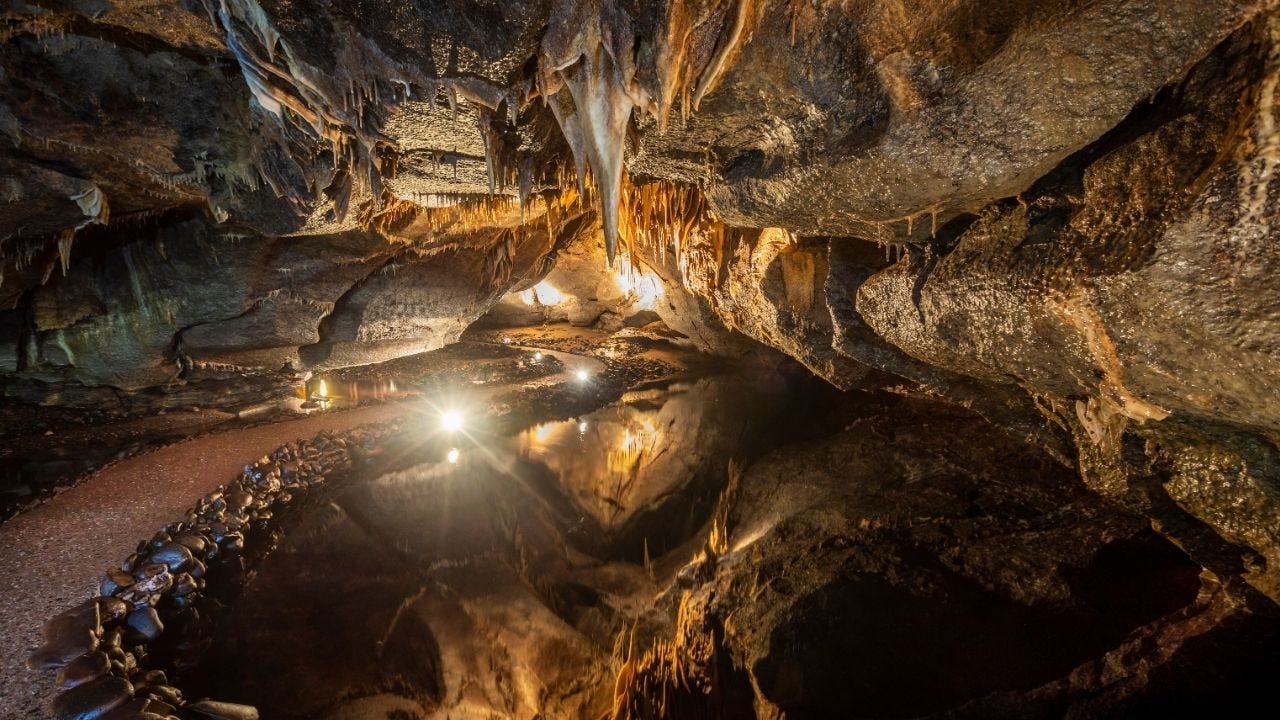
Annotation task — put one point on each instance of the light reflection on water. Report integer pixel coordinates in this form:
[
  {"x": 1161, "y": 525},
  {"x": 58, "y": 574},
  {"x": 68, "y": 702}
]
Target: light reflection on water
[
  {"x": 624, "y": 458},
  {"x": 471, "y": 535},
  {"x": 329, "y": 392}
]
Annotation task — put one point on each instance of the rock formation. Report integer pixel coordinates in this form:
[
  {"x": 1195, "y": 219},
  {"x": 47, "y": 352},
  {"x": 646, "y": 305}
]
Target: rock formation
[{"x": 1058, "y": 219}]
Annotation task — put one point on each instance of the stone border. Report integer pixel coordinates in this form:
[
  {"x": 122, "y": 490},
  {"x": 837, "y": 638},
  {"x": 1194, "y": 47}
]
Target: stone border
[{"x": 99, "y": 647}]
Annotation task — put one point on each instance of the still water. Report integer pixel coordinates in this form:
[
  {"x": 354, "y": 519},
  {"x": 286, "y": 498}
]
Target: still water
[{"x": 484, "y": 574}]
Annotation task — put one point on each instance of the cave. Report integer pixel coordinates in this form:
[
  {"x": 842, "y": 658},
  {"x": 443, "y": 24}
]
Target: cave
[{"x": 620, "y": 360}]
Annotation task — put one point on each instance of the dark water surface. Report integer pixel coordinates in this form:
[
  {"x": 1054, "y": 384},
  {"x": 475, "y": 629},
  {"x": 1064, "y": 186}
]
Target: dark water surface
[
  {"x": 487, "y": 572},
  {"x": 535, "y": 541}
]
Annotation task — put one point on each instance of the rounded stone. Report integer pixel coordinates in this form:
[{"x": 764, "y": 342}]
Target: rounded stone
[
  {"x": 163, "y": 693},
  {"x": 68, "y": 637},
  {"x": 233, "y": 542},
  {"x": 113, "y": 639},
  {"x": 84, "y": 615},
  {"x": 193, "y": 541},
  {"x": 239, "y": 500},
  {"x": 172, "y": 555},
  {"x": 92, "y": 700},
  {"x": 155, "y": 677},
  {"x": 223, "y": 710},
  {"x": 114, "y": 581},
  {"x": 86, "y": 668},
  {"x": 112, "y": 609},
  {"x": 145, "y": 624},
  {"x": 184, "y": 584},
  {"x": 152, "y": 578}
]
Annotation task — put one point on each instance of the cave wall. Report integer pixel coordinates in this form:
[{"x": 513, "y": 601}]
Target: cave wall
[
  {"x": 185, "y": 302},
  {"x": 1058, "y": 216},
  {"x": 1128, "y": 291}
]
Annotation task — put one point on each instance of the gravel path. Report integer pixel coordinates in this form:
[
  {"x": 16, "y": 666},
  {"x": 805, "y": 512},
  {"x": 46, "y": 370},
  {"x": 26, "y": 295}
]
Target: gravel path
[{"x": 53, "y": 556}]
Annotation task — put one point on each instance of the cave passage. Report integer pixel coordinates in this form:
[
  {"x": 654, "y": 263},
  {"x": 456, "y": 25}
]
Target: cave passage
[{"x": 670, "y": 360}]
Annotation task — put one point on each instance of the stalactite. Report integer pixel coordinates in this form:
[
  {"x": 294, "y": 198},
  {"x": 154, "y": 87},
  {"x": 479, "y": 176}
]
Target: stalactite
[
  {"x": 490, "y": 152},
  {"x": 67, "y": 237},
  {"x": 524, "y": 183},
  {"x": 660, "y": 217},
  {"x": 589, "y": 50},
  {"x": 738, "y": 36},
  {"x": 346, "y": 119},
  {"x": 603, "y": 110}
]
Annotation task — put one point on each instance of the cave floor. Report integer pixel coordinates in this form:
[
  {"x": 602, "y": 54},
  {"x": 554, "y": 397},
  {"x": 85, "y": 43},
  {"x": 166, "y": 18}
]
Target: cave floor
[{"x": 54, "y": 554}]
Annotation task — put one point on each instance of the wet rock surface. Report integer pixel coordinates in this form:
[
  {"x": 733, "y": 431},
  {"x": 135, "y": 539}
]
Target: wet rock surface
[{"x": 92, "y": 700}]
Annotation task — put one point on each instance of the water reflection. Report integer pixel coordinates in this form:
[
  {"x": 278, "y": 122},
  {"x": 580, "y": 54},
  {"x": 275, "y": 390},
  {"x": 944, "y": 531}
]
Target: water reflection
[
  {"x": 393, "y": 578},
  {"x": 329, "y": 392},
  {"x": 623, "y": 460}
]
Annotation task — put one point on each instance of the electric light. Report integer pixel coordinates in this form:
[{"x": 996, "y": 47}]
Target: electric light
[
  {"x": 582, "y": 375},
  {"x": 647, "y": 292},
  {"x": 582, "y": 426},
  {"x": 451, "y": 420},
  {"x": 537, "y": 357},
  {"x": 452, "y": 456}
]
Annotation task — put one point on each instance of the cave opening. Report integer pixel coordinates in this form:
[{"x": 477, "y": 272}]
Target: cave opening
[{"x": 638, "y": 361}]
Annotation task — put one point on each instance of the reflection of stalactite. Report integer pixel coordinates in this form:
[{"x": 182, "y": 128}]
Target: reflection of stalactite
[{"x": 676, "y": 678}]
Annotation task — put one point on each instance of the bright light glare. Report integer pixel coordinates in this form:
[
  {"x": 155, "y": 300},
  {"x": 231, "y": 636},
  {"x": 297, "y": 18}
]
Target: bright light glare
[
  {"x": 544, "y": 293},
  {"x": 324, "y": 391},
  {"x": 641, "y": 287},
  {"x": 582, "y": 426},
  {"x": 542, "y": 432},
  {"x": 451, "y": 420},
  {"x": 647, "y": 293},
  {"x": 582, "y": 375},
  {"x": 452, "y": 457},
  {"x": 537, "y": 357}
]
